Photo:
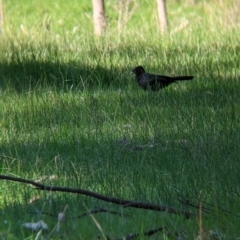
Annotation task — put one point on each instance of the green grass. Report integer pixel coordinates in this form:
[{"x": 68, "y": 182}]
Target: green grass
[{"x": 70, "y": 108}]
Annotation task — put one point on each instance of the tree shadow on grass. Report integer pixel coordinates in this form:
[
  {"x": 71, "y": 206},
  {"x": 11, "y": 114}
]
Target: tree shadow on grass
[
  {"x": 30, "y": 76},
  {"x": 28, "y": 68}
]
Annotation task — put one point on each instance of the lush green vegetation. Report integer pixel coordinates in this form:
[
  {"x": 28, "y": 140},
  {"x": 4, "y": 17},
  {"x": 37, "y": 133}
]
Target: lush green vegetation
[{"x": 70, "y": 109}]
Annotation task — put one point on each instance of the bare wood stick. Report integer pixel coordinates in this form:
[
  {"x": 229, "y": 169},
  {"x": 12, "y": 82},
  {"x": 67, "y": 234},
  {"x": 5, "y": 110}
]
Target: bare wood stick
[{"x": 122, "y": 202}]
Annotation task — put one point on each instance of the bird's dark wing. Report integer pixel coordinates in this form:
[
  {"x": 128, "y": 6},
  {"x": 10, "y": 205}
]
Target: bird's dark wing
[
  {"x": 158, "y": 81},
  {"x": 143, "y": 80}
]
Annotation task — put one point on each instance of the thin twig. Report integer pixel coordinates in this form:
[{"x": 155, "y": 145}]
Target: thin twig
[
  {"x": 146, "y": 234},
  {"x": 96, "y": 223},
  {"x": 100, "y": 210},
  {"x": 187, "y": 202},
  {"x": 95, "y": 211},
  {"x": 223, "y": 210},
  {"x": 208, "y": 209}
]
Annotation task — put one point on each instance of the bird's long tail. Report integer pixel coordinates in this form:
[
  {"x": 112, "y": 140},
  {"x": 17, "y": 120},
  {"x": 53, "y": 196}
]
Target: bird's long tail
[{"x": 182, "y": 78}]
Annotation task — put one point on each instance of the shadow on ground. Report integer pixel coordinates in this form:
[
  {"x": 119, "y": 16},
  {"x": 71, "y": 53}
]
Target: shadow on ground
[
  {"x": 26, "y": 68},
  {"x": 31, "y": 76}
]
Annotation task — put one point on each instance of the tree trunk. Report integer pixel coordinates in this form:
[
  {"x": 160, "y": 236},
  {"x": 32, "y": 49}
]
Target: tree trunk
[
  {"x": 1, "y": 17},
  {"x": 162, "y": 15},
  {"x": 98, "y": 17}
]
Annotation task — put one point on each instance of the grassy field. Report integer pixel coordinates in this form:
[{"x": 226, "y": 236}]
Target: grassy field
[{"x": 71, "y": 112}]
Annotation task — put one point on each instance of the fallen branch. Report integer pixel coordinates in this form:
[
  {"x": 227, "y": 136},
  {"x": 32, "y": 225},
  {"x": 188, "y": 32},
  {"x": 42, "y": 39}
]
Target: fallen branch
[
  {"x": 146, "y": 234},
  {"x": 122, "y": 202},
  {"x": 102, "y": 210},
  {"x": 94, "y": 211}
]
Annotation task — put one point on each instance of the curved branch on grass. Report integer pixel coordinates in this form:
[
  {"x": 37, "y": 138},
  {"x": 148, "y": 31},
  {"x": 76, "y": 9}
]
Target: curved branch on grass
[{"x": 122, "y": 202}]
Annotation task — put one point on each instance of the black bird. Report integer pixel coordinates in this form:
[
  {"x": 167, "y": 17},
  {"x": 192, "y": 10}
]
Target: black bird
[{"x": 155, "y": 82}]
